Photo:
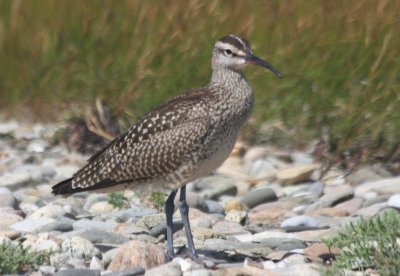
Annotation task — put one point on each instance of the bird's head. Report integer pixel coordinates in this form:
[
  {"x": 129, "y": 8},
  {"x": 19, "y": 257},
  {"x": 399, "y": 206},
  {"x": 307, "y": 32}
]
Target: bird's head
[{"x": 235, "y": 53}]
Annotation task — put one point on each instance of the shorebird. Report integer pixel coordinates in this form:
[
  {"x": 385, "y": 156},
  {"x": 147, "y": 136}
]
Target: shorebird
[{"x": 182, "y": 140}]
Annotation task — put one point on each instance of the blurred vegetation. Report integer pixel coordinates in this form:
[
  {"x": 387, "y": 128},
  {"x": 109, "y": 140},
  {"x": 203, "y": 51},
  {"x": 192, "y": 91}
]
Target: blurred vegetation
[
  {"x": 340, "y": 58},
  {"x": 369, "y": 243}
]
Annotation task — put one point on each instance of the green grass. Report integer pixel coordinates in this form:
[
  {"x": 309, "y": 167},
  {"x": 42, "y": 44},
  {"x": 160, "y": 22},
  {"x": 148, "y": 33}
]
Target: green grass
[
  {"x": 340, "y": 60},
  {"x": 16, "y": 258},
  {"x": 118, "y": 200},
  {"x": 369, "y": 243}
]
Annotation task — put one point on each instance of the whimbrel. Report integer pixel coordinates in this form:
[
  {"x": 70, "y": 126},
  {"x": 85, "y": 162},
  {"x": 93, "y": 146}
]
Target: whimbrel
[{"x": 182, "y": 140}]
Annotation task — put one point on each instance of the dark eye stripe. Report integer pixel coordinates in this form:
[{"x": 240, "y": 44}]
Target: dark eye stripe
[{"x": 232, "y": 53}]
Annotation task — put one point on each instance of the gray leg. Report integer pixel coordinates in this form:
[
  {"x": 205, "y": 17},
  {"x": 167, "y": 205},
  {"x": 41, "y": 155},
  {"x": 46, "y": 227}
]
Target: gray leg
[
  {"x": 184, "y": 208},
  {"x": 169, "y": 211}
]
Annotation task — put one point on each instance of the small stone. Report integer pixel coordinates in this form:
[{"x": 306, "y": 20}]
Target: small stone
[
  {"x": 258, "y": 196},
  {"x": 233, "y": 204},
  {"x": 272, "y": 234},
  {"x": 394, "y": 201},
  {"x": 47, "y": 270},
  {"x": 169, "y": 269},
  {"x": 370, "y": 210},
  {"x": 132, "y": 271},
  {"x": 332, "y": 196},
  {"x": 49, "y": 211},
  {"x": 352, "y": 205},
  {"x": 80, "y": 248},
  {"x": 284, "y": 244},
  {"x": 219, "y": 245},
  {"x": 214, "y": 207},
  {"x": 7, "y": 199},
  {"x": 101, "y": 207},
  {"x": 11, "y": 234},
  {"x": 101, "y": 236},
  {"x": 253, "y": 249},
  {"x": 194, "y": 201},
  {"x": 91, "y": 224},
  {"x": 330, "y": 212},
  {"x": 31, "y": 225},
  {"x": 7, "y": 219},
  {"x": 387, "y": 186},
  {"x": 299, "y": 221},
  {"x": 261, "y": 167},
  {"x": 227, "y": 227},
  {"x": 236, "y": 216},
  {"x": 367, "y": 174},
  {"x": 96, "y": 264},
  {"x": 200, "y": 272},
  {"x": 295, "y": 174},
  {"x": 161, "y": 228},
  {"x": 319, "y": 250},
  {"x": 137, "y": 253},
  {"x": 263, "y": 215},
  {"x": 150, "y": 221},
  {"x": 204, "y": 233},
  {"x": 78, "y": 272},
  {"x": 213, "y": 187}
]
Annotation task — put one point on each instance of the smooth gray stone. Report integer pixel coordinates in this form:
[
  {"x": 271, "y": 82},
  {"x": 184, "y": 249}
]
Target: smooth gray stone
[
  {"x": 132, "y": 271},
  {"x": 284, "y": 244},
  {"x": 259, "y": 196},
  {"x": 78, "y": 272},
  {"x": 214, "y": 207},
  {"x": 213, "y": 187},
  {"x": 91, "y": 224},
  {"x": 161, "y": 228},
  {"x": 101, "y": 236},
  {"x": 61, "y": 224},
  {"x": 300, "y": 221},
  {"x": 132, "y": 214},
  {"x": 168, "y": 269}
]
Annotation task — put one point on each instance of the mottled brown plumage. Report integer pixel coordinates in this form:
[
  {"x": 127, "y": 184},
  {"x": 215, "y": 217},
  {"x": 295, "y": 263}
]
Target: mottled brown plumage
[{"x": 182, "y": 140}]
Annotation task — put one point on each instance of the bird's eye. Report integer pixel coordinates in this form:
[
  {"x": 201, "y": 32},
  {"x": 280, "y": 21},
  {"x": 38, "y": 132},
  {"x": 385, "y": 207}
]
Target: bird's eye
[{"x": 228, "y": 52}]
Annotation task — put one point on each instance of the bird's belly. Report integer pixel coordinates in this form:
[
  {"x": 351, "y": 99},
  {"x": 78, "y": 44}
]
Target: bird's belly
[{"x": 217, "y": 155}]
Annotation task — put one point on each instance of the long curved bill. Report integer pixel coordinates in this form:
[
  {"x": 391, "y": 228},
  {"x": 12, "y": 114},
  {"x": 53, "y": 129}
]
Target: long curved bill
[{"x": 252, "y": 59}]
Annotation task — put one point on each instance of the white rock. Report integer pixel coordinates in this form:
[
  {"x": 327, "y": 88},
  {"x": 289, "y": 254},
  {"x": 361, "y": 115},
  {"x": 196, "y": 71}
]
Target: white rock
[
  {"x": 80, "y": 248},
  {"x": 49, "y": 211},
  {"x": 394, "y": 201},
  {"x": 386, "y": 186}
]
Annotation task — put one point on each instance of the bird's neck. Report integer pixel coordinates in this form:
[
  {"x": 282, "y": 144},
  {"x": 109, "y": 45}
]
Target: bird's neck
[{"x": 222, "y": 76}]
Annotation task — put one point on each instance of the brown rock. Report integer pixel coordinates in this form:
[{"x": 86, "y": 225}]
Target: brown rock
[
  {"x": 137, "y": 253},
  {"x": 265, "y": 215},
  {"x": 233, "y": 205},
  {"x": 330, "y": 212},
  {"x": 352, "y": 205},
  {"x": 273, "y": 210},
  {"x": 295, "y": 174},
  {"x": 6, "y": 219},
  {"x": 320, "y": 249},
  {"x": 11, "y": 234}
]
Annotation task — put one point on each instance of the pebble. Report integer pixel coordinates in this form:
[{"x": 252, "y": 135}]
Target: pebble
[
  {"x": 299, "y": 221},
  {"x": 32, "y": 225},
  {"x": 86, "y": 224},
  {"x": 49, "y": 211},
  {"x": 137, "y": 253},
  {"x": 258, "y": 196},
  {"x": 78, "y": 272},
  {"x": 394, "y": 201},
  {"x": 169, "y": 269},
  {"x": 7, "y": 199},
  {"x": 80, "y": 248},
  {"x": 132, "y": 271},
  {"x": 295, "y": 174},
  {"x": 387, "y": 186}
]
